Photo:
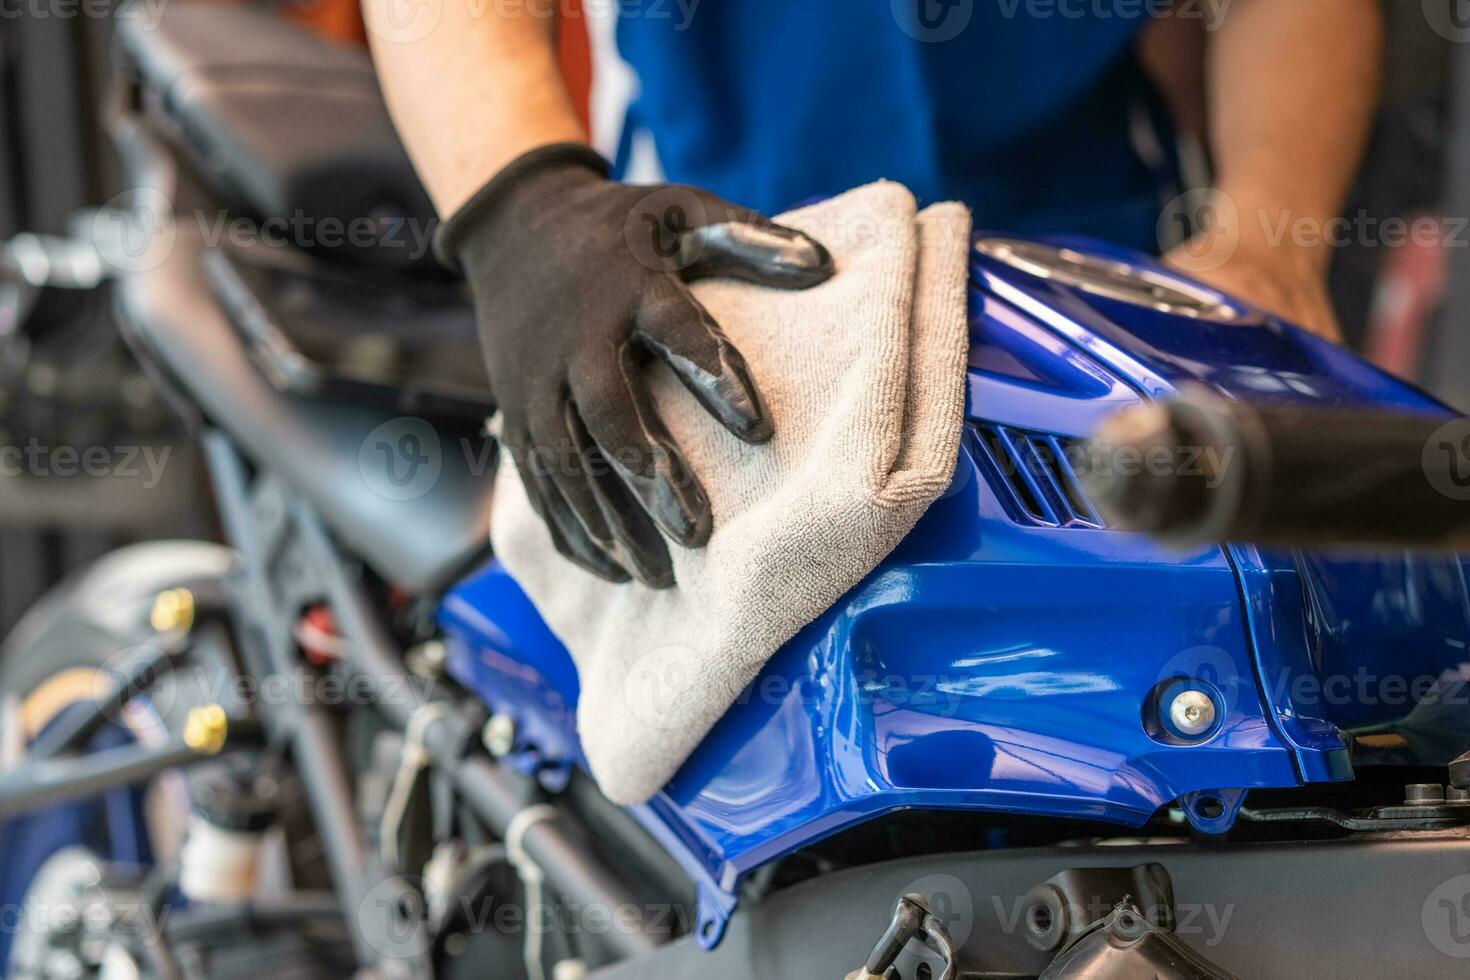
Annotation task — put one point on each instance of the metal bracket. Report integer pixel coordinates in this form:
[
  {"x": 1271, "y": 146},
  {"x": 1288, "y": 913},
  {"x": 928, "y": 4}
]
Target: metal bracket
[
  {"x": 713, "y": 909},
  {"x": 1212, "y": 811}
]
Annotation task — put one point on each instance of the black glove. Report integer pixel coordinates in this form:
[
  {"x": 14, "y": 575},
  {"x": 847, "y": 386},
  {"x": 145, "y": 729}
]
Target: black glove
[{"x": 578, "y": 281}]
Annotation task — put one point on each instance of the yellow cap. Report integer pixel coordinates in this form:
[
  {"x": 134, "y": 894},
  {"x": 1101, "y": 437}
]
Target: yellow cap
[
  {"x": 172, "y": 610},
  {"x": 205, "y": 729}
]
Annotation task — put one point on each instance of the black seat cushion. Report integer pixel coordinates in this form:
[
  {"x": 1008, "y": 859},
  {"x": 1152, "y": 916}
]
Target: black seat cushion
[
  {"x": 289, "y": 128},
  {"x": 420, "y": 536}
]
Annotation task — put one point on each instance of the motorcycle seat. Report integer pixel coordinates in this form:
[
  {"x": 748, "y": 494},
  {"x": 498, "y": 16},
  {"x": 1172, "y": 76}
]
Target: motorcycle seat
[
  {"x": 280, "y": 123},
  {"x": 419, "y": 518}
]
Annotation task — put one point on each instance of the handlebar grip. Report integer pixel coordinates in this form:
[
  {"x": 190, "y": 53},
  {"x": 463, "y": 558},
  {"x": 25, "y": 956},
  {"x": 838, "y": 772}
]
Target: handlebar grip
[{"x": 1203, "y": 468}]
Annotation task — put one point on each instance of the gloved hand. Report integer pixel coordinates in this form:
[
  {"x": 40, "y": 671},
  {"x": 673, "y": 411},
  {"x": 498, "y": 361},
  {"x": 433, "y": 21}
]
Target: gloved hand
[{"x": 578, "y": 281}]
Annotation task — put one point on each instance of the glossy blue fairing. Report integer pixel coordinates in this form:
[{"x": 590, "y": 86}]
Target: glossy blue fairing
[{"x": 1014, "y": 655}]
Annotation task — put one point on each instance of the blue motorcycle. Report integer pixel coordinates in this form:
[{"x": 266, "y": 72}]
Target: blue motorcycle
[{"x": 1030, "y": 743}]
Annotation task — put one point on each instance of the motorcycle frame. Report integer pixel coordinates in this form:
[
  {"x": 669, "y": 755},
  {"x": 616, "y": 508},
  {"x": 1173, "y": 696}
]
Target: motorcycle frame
[{"x": 286, "y": 551}]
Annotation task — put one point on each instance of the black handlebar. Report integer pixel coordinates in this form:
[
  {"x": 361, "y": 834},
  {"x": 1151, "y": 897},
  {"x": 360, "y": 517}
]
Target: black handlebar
[{"x": 1203, "y": 468}]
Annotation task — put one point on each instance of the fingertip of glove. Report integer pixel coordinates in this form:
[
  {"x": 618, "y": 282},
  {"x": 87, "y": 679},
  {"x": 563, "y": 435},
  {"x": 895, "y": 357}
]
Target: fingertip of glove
[
  {"x": 601, "y": 566},
  {"x": 797, "y": 261},
  {"x": 689, "y": 524},
  {"x": 680, "y": 509},
  {"x": 754, "y": 431},
  {"x": 812, "y": 263},
  {"x": 663, "y": 580}
]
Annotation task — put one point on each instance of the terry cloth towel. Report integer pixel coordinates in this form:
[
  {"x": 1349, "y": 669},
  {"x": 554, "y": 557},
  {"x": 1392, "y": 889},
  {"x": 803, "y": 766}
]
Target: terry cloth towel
[{"x": 864, "y": 379}]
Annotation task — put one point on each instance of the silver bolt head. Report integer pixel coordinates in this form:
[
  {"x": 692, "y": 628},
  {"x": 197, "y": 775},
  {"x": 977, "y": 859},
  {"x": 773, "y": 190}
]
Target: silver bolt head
[
  {"x": 499, "y": 735},
  {"x": 427, "y": 659},
  {"x": 1192, "y": 712},
  {"x": 1424, "y": 793}
]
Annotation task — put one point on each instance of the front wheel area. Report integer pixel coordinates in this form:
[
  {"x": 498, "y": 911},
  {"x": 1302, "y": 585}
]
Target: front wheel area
[
  {"x": 77, "y": 916},
  {"x": 68, "y": 871}
]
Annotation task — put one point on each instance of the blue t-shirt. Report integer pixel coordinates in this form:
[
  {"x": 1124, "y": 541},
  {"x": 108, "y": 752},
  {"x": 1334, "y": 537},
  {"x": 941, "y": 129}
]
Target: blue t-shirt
[{"x": 1026, "y": 110}]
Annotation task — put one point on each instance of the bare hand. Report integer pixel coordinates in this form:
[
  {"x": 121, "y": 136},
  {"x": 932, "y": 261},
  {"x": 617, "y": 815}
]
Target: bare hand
[{"x": 1279, "y": 281}]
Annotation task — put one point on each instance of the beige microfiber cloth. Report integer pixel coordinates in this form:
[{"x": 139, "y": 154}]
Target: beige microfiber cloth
[{"x": 864, "y": 379}]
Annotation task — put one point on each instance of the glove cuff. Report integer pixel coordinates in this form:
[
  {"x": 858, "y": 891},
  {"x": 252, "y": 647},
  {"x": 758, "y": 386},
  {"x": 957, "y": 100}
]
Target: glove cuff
[{"x": 509, "y": 201}]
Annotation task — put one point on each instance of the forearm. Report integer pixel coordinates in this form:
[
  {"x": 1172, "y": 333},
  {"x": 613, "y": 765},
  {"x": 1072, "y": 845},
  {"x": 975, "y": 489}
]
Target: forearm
[
  {"x": 478, "y": 89},
  {"x": 1293, "y": 86}
]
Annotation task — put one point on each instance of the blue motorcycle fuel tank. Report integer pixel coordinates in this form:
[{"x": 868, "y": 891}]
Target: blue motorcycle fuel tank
[{"x": 1015, "y": 654}]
